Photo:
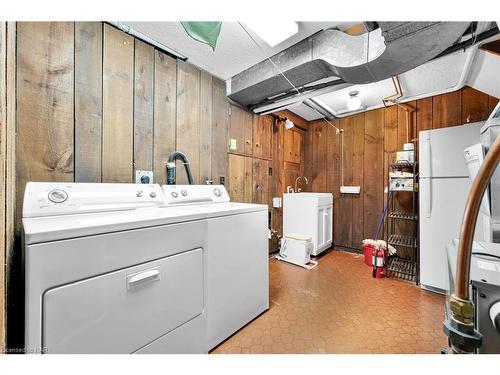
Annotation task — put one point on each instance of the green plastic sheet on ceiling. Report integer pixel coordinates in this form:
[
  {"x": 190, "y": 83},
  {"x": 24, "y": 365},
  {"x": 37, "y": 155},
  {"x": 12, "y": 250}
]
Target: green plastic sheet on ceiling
[{"x": 204, "y": 32}]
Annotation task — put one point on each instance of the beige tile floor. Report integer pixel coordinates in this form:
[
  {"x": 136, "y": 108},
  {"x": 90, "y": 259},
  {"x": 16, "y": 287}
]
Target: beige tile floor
[{"x": 338, "y": 307}]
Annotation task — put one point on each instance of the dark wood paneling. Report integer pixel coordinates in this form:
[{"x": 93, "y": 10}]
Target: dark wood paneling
[
  {"x": 165, "y": 106},
  {"x": 319, "y": 156},
  {"x": 88, "y": 101},
  {"x": 492, "y": 102},
  {"x": 45, "y": 97},
  {"x": 373, "y": 185},
  {"x": 358, "y": 135},
  {"x": 475, "y": 105},
  {"x": 447, "y": 110},
  {"x": 345, "y": 201},
  {"x": 384, "y": 134},
  {"x": 118, "y": 106},
  {"x": 288, "y": 146},
  {"x": 188, "y": 117},
  {"x": 143, "y": 106}
]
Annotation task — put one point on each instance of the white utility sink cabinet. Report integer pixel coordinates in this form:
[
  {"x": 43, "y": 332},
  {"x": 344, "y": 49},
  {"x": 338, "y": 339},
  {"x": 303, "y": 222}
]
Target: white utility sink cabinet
[{"x": 309, "y": 214}]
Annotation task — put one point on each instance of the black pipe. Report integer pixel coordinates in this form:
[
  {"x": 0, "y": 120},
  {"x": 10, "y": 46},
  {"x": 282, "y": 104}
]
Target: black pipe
[{"x": 172, "y": 158}]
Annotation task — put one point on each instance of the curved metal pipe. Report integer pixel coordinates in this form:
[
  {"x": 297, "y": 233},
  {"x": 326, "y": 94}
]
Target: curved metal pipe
[
  {"x": 478, "y": 188},
  {"x": 172, "y": 158}
]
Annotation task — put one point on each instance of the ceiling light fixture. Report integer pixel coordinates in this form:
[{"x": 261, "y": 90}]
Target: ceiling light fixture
[
  {"x": 354, "y": 102},
  {"x": 273, "y": 33},
  {"x": 289, "y": 124}
]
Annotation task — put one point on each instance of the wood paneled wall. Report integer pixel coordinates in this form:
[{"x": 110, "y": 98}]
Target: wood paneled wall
[
  {"x": 96, "y": 104},
  {"x": 7, "y": 159},
  {"x": 266, "y": 160},
  {"x": 370, "y": 139}
]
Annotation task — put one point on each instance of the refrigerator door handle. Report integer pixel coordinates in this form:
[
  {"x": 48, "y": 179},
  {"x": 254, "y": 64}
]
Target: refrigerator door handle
[
  {"x": 426, "y": 168},
  {"x": 428, "y": 195}
]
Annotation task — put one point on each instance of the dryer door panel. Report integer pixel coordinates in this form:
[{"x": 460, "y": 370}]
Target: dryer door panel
[{"x": 122, "y": 311}]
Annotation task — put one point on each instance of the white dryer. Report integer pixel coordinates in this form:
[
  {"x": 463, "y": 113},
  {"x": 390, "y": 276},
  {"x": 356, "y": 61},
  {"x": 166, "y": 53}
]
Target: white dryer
[
  {"x": 110, "y": 271},
  {"x": 237, "y": 256}
]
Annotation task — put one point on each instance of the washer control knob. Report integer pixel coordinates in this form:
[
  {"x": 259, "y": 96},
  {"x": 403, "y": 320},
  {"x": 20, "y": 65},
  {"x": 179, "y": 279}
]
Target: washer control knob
[
  {"x": 57, "y": 196},
  {"x": 152, "y": 194},
  {"x": 138, "y": 193},
  {"x": 217, "y": 192},
  {"x": 184, "y": 193},
  {"x": 174, "y": 194}
]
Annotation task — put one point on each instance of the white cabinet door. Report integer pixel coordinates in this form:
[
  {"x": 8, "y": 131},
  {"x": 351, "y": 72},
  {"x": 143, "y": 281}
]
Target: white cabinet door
[
  {"x": 328, "y": 217},
  {"x": 321, "y": 227}
]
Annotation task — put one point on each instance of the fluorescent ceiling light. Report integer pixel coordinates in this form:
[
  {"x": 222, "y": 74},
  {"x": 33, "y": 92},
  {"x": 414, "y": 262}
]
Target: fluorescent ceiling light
[
  {"x": 354, "y": 102},
  {"x": 274, "y": 32}
]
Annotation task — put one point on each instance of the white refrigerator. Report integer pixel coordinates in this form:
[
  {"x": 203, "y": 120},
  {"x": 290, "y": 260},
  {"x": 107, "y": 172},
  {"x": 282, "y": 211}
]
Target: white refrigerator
[{"x": 443, "y": 188}]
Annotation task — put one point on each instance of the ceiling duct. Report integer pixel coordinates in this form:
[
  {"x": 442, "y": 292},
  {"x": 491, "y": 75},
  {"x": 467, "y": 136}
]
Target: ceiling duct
[{"x": 391, "y": 49}]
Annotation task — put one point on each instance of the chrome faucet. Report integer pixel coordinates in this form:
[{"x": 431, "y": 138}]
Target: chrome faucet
[{"x": 297, "y": 181}]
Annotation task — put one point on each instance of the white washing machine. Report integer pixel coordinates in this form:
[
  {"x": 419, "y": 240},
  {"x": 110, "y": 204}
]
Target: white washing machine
[
  {"x": 110, "y": 271},
  {"x": 237, "y": 256}
]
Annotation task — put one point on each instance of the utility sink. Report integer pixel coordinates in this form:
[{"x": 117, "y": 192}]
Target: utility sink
[{"x": 309, "y": 214}]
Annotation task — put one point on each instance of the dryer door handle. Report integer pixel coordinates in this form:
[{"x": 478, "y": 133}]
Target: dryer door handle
[{"x": 143, "y": 277}]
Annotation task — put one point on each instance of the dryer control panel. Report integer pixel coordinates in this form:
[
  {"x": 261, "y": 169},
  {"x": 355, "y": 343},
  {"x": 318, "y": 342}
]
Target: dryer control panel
[
  {"x": 49, "y": 199},
  {"x": 194, "y": 194}
]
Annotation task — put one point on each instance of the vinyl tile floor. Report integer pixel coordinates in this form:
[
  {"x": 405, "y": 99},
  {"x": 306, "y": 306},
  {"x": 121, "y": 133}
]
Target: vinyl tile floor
[{"x": 338, "y": 307}]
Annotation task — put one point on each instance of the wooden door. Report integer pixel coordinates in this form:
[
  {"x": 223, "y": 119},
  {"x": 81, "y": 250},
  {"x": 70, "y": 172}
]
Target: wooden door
[
  {"x": 288, "y": 146},
  {"x": 261, "y": 182},
  {"x": 262, "y": 136},
  {"x": 240, "y": 178},
  {"x": 297, "y": 146}
]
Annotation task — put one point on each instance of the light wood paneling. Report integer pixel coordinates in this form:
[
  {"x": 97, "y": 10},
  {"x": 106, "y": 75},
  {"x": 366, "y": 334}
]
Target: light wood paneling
[
  {"x": 262, "y": 136},
  {"x": 9, "y": 180},
  {"x": 188, "y": 117},
  {"x": 206, "y": 118},
  {"x": 220, "y": 123},
  {"x": 89, "y": 89},
  {"x": 165, "y": 106},
  {"x": 260, "y": 181},
  {"x": 3, "y": 175},
  {"x": 45, "y": 69},
  {"x": 241, "y": 129},
  {"x": 240, "y": 180},
  {"x": 88, "y": 101},
  {"x": 118, "y": 106},
  {"x": 144, "y": 61}
]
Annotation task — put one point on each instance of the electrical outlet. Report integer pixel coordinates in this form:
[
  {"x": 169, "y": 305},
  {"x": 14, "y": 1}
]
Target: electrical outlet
[
  {"x": 143, "y": 177},
  {"x": 232, "y": 144}
]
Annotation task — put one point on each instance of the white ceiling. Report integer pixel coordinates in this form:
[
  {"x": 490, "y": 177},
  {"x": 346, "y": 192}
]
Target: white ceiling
[{"x": 235, "y": 50}]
